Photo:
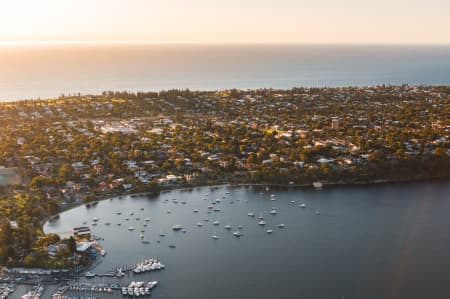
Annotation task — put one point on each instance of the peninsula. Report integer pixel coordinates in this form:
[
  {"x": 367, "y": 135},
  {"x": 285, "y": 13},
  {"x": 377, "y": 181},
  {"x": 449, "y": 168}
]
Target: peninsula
[{"x": 62, "y": 152}]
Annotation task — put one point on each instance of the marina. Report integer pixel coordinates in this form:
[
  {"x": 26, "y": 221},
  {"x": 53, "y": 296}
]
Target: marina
[{"x": 182, "y": 240}]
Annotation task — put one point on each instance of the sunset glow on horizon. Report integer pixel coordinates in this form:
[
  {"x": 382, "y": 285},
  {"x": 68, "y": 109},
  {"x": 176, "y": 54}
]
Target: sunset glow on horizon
[{"x": 202, "y": 21}]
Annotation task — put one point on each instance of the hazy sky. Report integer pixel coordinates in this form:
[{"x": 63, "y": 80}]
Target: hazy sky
[{"x": 204, "y": 21}]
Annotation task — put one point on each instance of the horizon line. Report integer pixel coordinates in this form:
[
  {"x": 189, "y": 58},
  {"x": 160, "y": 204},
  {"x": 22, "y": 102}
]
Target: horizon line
[{"x": 142, "y": 42}]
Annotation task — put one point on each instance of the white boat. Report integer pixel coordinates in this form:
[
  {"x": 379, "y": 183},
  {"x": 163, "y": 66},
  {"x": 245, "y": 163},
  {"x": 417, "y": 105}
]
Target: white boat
[
  {"x": 318, "y": 185},
  {"x": 251, "y": 215},
  {"x": 141, "y": 236},
  {"x": 199, "y": 224},
  {"x": 273, "y": 212},
  {"x": 269, "y": 231},
  {"x": 131, "y": 228},
  {"x": 89, "y": 274},
  {"x": 103, "y": 252},
  {"x": 227, "y": 226},
  {"x": 302, "y": 205},
  {"x": 124, "y": 291},
  {"x": 210, "y": 206},
  {"x": 216, "y": 210},
  {"x": 292, "y": 201},
  {"x": 260, "y": 217},
  {"x": 317, "y": 212},
  {"x": 262, "y": 223},
  {"x": 152, "y": 284},
  {"x": 195, "y": 210},
  {"x": 237, "y": 233},
  {"x": 215, "y": 237},
  {"x": 216, "y": 222},
  {"x": 95, "y": 219},
  {"x": 281, "y": 225}
]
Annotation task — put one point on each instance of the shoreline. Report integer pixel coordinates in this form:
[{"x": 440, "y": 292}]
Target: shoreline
[{"x": 100, "y": 198}]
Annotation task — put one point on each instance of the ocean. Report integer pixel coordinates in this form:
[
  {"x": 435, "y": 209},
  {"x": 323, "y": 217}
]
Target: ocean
[{"x": 42, "y": 71}]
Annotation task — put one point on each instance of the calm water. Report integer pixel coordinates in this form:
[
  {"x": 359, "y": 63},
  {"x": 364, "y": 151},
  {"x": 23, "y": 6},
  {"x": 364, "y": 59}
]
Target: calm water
[
  {"x": 48, "y": 71},
  {"x": 389, "y": 241}
]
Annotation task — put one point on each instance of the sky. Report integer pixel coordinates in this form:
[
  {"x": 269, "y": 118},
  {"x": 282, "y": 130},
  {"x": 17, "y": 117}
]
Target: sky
[{"x": 226, "y": 21}]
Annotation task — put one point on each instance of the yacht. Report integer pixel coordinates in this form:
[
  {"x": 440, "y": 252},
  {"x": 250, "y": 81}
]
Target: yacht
[
  {"x": 269, "y": 231},
  {"x": 131, "y": 228},
  {"x": 177, "y": 227},
  {"x": 251, "y": 215},
  {"x": 302, "y": 205},
  {"x": 152, "y": 284},
  {"x": 273, "y": 212},
  {"x": 216, "y": 222},
  {"x": 317, "y": 185},
  {"x": 237, "y": 233},
  {"x": 215, "y": 237},
  {"x": 216, "y": 210},
  {"x": 281, "y": 225},
  {"x": 262, "y": 223},
  {"x": 227, "y": 226},
  {"x": 292, "y": 201},
  {"x": 95, "y": 219}
]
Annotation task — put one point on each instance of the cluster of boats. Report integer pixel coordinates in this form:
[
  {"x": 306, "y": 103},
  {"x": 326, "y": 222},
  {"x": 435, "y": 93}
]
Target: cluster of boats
[
  {"x": 148, "y": 265},
  {"x": 5, "y": 291},
  {"x": 139, "y": 288},
  {"x": 88, "y": 287},
  {"x": 34, "y": 293}
]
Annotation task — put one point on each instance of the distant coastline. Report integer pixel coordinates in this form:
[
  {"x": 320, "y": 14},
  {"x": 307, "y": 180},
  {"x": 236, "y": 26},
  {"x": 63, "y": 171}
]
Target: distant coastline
[{"x": 48, "y": 71}]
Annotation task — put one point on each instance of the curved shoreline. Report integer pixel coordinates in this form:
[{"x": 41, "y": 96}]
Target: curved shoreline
[{"x": 309, "y": 186}]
